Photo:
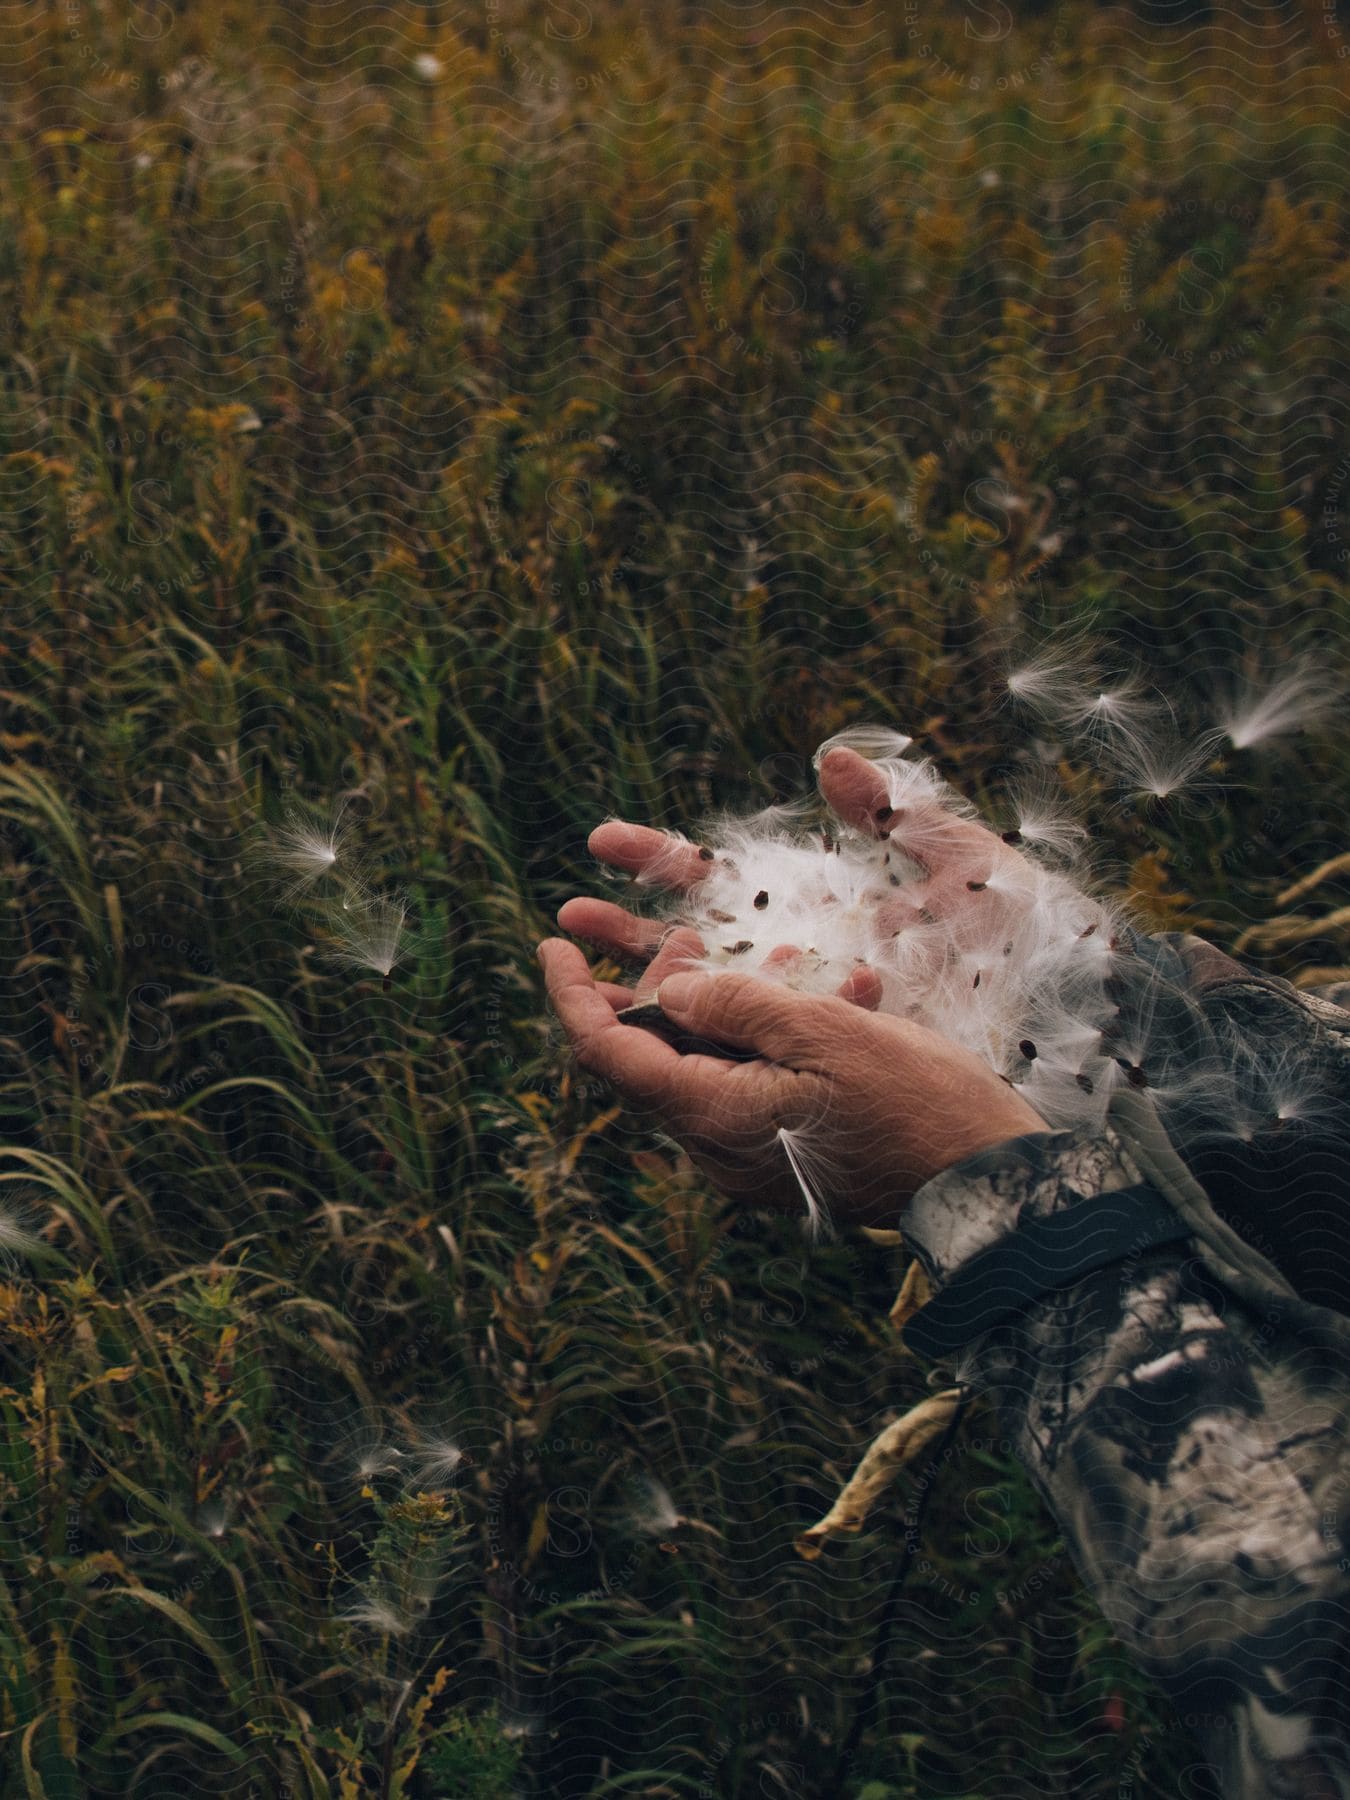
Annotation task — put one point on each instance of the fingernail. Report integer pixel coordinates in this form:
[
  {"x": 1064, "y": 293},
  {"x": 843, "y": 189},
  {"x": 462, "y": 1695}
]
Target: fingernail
[
  {"x": 677, "y": 993},
  {"x": 539, "y": 955}
]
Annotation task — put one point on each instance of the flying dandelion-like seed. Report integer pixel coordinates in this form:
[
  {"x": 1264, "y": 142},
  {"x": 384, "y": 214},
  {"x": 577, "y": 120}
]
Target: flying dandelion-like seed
[
  {"x": 1051, "y": 679},
  {"x": 1305, "y": 694},
  {"x": 1117, "y": 719},
  {"x": 657, "y": 1515},
  {"x": 803, "y": 1155},
  {"x": 378, "y": 1615},
  {"x": 21, "y": 1215},
  {"x": 435, "y": 1461},
  {"x": 310, "y": 846},
  {"x": 214, "y": 1519},
  {"x": 1165, "y": 767},
  {"x": 362, "y": 1451},
  {"x": 378, "y": 1459},
  {"x": 369, "y": 934}
]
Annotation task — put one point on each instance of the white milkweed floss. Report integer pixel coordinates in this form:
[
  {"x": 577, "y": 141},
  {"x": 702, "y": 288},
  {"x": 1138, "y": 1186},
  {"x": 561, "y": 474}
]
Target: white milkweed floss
[
  {"x": 1025, "y": 966},
  {"x": 1014, "y": 972}
]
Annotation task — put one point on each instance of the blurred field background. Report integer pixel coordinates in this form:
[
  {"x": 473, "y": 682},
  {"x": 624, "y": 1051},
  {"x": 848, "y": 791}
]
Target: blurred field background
[{"x": 501, "y": 418}]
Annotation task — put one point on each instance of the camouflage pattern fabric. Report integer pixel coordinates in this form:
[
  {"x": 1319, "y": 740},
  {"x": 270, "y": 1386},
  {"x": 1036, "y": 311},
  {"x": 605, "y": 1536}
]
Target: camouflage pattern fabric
[{"x": 1185, "y": 1413}]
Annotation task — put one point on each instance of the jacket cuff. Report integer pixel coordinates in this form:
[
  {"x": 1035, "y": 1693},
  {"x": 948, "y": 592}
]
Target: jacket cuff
[{"x": 975, "y": 1203}]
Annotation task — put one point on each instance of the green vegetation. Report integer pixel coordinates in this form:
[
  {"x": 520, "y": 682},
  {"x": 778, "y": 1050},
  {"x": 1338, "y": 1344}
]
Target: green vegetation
[{"x": 587, "y": 414}]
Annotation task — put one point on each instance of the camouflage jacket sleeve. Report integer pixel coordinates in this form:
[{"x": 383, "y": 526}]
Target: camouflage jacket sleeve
[{"x": 1185, "y": 1413}]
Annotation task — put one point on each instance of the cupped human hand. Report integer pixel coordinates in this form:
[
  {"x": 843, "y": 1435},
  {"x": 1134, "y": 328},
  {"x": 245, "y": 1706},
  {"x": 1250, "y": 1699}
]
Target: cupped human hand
[{"x": 873, "y": 1105}]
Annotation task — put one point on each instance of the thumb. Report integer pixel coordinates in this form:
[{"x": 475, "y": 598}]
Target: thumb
[{"x": 751, "y": 1014}]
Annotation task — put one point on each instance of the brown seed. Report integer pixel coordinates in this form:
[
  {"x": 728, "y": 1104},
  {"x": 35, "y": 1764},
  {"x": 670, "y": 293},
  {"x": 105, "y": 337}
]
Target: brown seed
[
  {"x": 705, "y": 853},
  {"x": 761, "y": 899},
  {"x": 894, "y": 879},
  {"x": 1007, "y": 949},
  {"x": 723, "y": 918},
  {"x": 1136, "y": 1076},
  {"x": 882, "y": 814},
  {"x": 976, "y": 981},
  {"x": 386, "y": 984},
  {"x": 1091, "y": 928},
  {"x": 977, "y": 887},
  {"x": 1028, "y": 1049},
  {"x": 1084, "y": 1082},
  {"x": 739, "y": 949},
  {"x": 827, "y": 840},
  {"x": 1012, "y": 837}
]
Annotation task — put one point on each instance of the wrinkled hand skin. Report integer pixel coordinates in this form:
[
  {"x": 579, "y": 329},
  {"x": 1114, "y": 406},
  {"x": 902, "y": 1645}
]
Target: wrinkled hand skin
[
  {"x": 1194, "y": 1448},
  {"x": 879, "y": 1104}
]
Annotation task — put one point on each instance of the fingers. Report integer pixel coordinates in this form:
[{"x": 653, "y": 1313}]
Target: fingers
[
  {"x": 637, "y": 1062},
  {"x": 854, "y": 789},
  {"x": 663, "y": 947},
  {"x": 616, "y": 996},
  {"x": 681, "y": 947},
  {"x": 656, "y": 858},
  {"x": 618, "y": 931},
  {"x": 975, "y": 882},
  {"x": 940, "y": 841},
  {"x": 862, "y": 988}
]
